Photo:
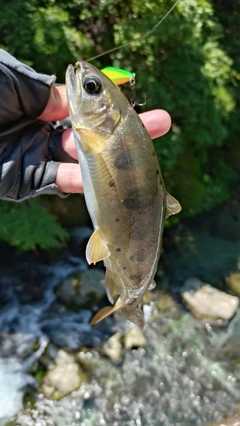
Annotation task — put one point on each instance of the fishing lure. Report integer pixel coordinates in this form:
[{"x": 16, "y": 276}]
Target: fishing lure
[{"x": 119, "y": 76}]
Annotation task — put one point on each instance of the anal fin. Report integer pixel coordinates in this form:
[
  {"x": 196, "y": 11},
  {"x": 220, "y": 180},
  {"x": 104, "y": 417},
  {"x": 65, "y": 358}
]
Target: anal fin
[
  {"x": 111, "y": 288},
  {"x": 97, "y": 248},
  {"x": 105, "y": 312}
]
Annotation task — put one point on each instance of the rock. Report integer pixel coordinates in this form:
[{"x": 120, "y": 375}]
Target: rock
[
  {"x": 206, "y": 302},
  {"x": 166, "y": 306},
  {"x": 82, "y": 290},
  {"x": 232, "y": 421},
  {"x": 63, "y": 377},
  {"x": 233, "y": 282},
  {"x": 134, "y": 339},
  {"x": 72, "y": 330},
  {"x": 112, "y": 348}
]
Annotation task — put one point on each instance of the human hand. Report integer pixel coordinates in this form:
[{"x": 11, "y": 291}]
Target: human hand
[{"x": 68, "y": 178}]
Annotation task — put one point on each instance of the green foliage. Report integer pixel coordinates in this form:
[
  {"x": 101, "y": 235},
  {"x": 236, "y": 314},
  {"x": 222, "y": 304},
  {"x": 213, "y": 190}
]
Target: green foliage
[
  {"x": 183, "y": 68},
  {"x": 189, "y": 66},
  {"x": 28, "y": 226}
]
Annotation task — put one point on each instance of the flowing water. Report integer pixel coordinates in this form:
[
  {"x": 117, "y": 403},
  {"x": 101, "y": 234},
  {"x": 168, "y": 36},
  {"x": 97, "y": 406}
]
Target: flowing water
[{"x": 186, "y": 374}]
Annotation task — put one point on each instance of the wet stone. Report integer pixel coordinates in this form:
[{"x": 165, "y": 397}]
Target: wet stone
[
  {"x": 231, "y": 421},
  {"x": 82, "y": 290},
  {"x": 135, "y": 339},
  {"x": 112, "y": 348},
  {"x": 164, "y": 305},
  {"x": 208, "y": 303},
  {"x": 63, "y": 377},
  {"x": 233, "y": 282},
  {"x": 72, "y": 330}
]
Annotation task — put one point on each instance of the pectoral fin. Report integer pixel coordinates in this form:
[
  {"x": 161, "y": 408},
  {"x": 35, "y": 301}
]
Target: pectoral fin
[
  {"x": 97, "y": 248},
  {"x": 91, "y": 142},
  {"x": 105, "y": 312},
  {"x": 173, "y": 206}
]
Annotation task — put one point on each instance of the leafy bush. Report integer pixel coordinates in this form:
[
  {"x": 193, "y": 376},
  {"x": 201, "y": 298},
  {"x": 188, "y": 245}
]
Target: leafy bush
[{"x": 28, "y": 226}]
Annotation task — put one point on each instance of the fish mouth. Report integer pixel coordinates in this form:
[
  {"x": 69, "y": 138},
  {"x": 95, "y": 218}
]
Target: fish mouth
[
  {"x": 74, "y": 82},
  {"x": 74, "y": 72},
  {"x": 71, "y": 78},
  {"x": 82, "y": 65}
]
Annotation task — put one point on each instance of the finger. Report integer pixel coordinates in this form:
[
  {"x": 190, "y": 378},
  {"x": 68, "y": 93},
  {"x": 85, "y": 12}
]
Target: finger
[
  {"x": 69, "y": 178},
  {"x": 157, "y": 122},
  {"x": 57, "y": 106},
  {"x": 68, "y": 143}
]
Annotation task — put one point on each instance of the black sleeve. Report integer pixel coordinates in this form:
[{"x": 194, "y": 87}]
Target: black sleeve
[{"x": 30, "y": 149}]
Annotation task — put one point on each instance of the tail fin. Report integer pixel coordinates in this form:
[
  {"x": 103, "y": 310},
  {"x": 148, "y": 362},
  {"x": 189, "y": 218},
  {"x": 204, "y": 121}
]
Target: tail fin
[{"x": 136, "y": 316}]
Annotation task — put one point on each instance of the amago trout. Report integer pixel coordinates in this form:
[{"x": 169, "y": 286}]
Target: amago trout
[{"x": 123, "y": 188}]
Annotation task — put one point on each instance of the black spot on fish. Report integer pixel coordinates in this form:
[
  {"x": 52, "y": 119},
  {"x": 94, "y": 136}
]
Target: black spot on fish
[
  {"x": 122, "y": 161},
  {"x": 111, "y": 183},
  {"x": 138, "y": 256},
  {"x": 117, "y": 220},
  {"x": 124, "y": 268},
  {"x": 118, "y": 249},
  {"x": 136, "y": 277},
  {"x": 157, "y": 172},
  {"x": 154, "y": 154},
  {"x": 132, "y": 201}
]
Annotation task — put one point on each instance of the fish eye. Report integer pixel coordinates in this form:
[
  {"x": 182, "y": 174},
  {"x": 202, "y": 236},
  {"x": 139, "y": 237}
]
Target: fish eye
[{"x": 92, "y": 85}]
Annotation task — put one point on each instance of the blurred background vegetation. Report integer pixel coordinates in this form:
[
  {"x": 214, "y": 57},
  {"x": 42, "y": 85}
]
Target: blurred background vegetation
[{"x": 189, "y": 66}]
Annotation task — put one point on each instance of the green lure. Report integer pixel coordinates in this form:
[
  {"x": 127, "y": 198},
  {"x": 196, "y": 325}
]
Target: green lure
[{"x": 119, "y": 76}]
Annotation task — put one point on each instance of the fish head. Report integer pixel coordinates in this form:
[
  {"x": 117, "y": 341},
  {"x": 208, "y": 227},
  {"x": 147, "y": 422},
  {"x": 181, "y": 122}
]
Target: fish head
[{"x": 91, "y": 98}]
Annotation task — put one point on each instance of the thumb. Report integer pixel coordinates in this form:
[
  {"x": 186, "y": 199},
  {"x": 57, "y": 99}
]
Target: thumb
[{"x": 57, "y": 106}]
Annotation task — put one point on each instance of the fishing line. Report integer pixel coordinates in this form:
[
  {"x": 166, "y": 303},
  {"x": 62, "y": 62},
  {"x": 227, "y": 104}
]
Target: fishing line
[{"x": 128, "y": 43}]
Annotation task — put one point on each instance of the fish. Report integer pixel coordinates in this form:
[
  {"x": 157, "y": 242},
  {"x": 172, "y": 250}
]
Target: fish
[{"x": 123, "y": 188}]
